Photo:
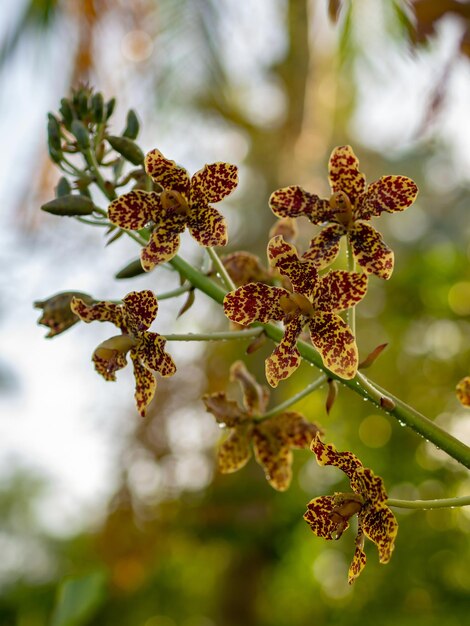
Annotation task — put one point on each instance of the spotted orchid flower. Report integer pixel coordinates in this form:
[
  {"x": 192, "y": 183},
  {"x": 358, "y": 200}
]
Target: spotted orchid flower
[
  {"x": 463, "y": 391},
  {"x": 147, "y": 350},
  {"x": 272, "y": 439},
  {"x": 184, "y": 202},
  {"x": 328, "y": 516},
  {"x": 313, "y": 301},
  {"x": 347, "y": 212}
]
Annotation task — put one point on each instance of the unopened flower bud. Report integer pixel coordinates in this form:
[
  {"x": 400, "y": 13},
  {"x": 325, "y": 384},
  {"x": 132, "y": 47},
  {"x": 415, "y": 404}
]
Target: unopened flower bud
[
  {"x": 57, "y": 315},
  {"x": 97, "y": 106},
  {"x": 134, "y": 268},
  {"x": 53, "y": 139},
  {"x": 66, "y": 112},
  {"x": 110, "y": 107},
  {"x": 69, "y": 205},
  {"x": 80, "y": 133},
  {"x": 63, "y": 188},
  {"x": 132, "y": 125},
  {"x": 127, "y": 148}
]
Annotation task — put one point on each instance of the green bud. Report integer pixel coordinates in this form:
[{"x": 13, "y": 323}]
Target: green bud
[
  {"x": 132, "y": 125},
  {"x": 63, "y": 188},
  {"x": 110, "y": 107},
  {"x": 69, "y": 205},
  {"x": 67, "y": 112},
  {"x": 97, "y": 105},
  {"x": 81, "y": 134},
  {"x": 82, "y": 103},
  {"x": 127, "y": 148},
  {"x": 53, "y": 138},
  {"x": 134, "y": 268}
]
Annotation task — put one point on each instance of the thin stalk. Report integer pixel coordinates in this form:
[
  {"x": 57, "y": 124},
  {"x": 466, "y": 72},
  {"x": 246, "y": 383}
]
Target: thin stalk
[
  {"x": 351, "y": 312},
  {"x": 444, "y": 503},
  {"x": 90, "y": 158},
  {"x": 290, "y": 401},
  {"x": 174, "y": 292},
  {"x": 220, "y": 269},
  {"x": 221, "y": 336}
]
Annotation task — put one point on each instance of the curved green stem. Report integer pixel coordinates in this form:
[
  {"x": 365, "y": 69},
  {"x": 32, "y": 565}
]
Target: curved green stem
[
  {"x": 218, "y": 336},
  {"x": 174, "y": 292},
  {"x": 290, "y": 401},
  {"x": 444, "y": 503},
  {"x": 220, "y": 269},
  {"x": 90, "y": 158}
]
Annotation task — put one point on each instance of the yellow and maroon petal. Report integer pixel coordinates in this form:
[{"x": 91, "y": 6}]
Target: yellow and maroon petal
[
  {"x": 294, "y": 429},
  {"x": 389, "y": 194},
  {"x": 380, "y": 525},
  {"x": 463, "y": 391},
  {"x": 339, "y": 290},
  {"x": 254, "y": 302},
  {"x": 324, "y": 248},
  {"x": 274, "y": 456},
  {"x": 357, "y": 564},
  {"x": 162, "y": 247},
  {"x": 99, "y": 312},
  {"x": 166, "y": 173},
  {"x": 135, "y": 209},
  {"x": 302, "y": 274},
  {"x": 225, "y": 411},
  {"x": 140, "y": 310},
  {"x": 255, "y": 396},
  {"x": 335, "y": 342},
  {"x": 214, "y": 182},
  {"x": 286, "y": 358},
  {"x": 318, "y": 516},
  {"x": 207, "y": 226},
  {"x": 145, "y": 385},
  {"x": 151, "y": 351},
  {"x": 370, "y": 486},
  {"x": 370, "y": 251},
  {"x": 110, "y": 356},
  {"x": 235, "y": 451},
  {"x": 327, "y": 454},
  {"x": 344, "y": 174},
  {"x": 296, "y": 202}
]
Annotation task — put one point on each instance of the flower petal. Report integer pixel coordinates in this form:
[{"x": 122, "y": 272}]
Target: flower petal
[
  {"x": 99, "y": 312},
  {"x": 135, "y": 209},
  {"x": 335, "y": 342},
  {"x": 389, "y": 194},
  {"x": 145, "y": 385},
  {"x": 244, "y": 267},
  {"x": 324, "y": 248},
  {"x": 111, "y": 356},
  {"x": 296, "y": 202},
  {"x": 286, "y": 358},
  {"x": 275, "y": 457},
  {"x": 344, "y": 174},
  {"x": 225, "y": 411},
  {"x": 162, "y": 247},
  {"x": 151, "y": 350},
  {"x": 254, "y": 302},
  {"x": 235, "y": 451},
  {"x": 380, "y": 525},
  {"x": 207, "y": 226},
  {"x": 255, "y": 396},
  {"x": 302, "y": 274},
  {"x": 463, "y": 391},
  {"x": 294, "y": 429},
  {"x": 214, "y": 182},
  {"x": 370, "y": 251},
  {"x": 339, "y": 290},
  {"x": 166, "y": 173},
  {"x": 357, "y": 564},
  {"x": 318, "y": 517},
  {"x": 369, "y": 485},
  {"x": 140, "y": 310},
  {"x": 327, "y": 454}
]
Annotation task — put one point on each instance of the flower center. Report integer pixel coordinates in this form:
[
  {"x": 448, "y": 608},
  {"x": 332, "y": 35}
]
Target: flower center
[
  {"x": 296, "y": 303},
  {"x": 174, "y": 201},
  {"x": 341, "y": 205},
  {"x": 347, "y": 505}
]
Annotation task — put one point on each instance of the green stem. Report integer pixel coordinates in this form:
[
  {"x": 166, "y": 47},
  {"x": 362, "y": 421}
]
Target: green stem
[
  {"x": 175, "y": 292},
  {"x": 351, "y": 313},
  {"x": 290, "y": 401},
  {"x": 222, "y": 336},
  {"x": 359, "y": 384},
  {"x": 443, "y": 503},
  {"x": 220, "y": 269},
  {"x": 90, "y": 158}
]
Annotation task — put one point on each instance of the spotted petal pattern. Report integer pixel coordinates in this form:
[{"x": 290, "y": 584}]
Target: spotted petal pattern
[
  {"x": 319, "y": 517},
  {"x": 370, "y": 251},
  {"x": 151, "y": 351},
  {"x": 235, "y": 451},
  {"x": 254, "y": 302},
  {"x": 324, "y": 248},
  {"x": 301, "y": 274},
  {"x": 166, "y": 173},
  {"x": 145, "y": 385},
  {"x": 99, "y": 312},
  {"x": 389, "y": 194},
  {"x": 296, "y": 202},
  {"x": 463, "y": 391},
  {"x": 335, "y": 342},
  {"x": 285, "y": 359},
  {"x": 381, "y": 526},
  {"x": 215, "y": 181},
  {"x": 207, "y": 226},
  {"x": 135, "y": 209},
  {"x": 327, "y": 454},
  {"x": 357, "y": 564},
  {"x": 162, "y": 246},
  {"x": 339, "y": 290},
  {"x": 344, "y": 173},
  {"x": 255, "y": 397},
  {"x": 225, "y": 411},
  {"x": 140, "y": 310}
]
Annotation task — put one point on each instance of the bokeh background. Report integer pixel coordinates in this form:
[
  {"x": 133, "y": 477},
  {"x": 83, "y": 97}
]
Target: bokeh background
[{"x": 109, "y": 519}]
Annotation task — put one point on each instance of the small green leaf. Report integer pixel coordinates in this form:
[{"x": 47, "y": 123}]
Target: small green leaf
[
  {"x": 134, "y": 268},
  {"x": 78, "y": 599}
]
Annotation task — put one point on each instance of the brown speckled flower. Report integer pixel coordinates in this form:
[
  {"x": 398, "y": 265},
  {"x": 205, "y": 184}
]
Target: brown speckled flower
[
  {"x": 147, "y": 350},
  {"x": 272, "y": 439},
  {"x": 351, "y": 205},
  {"x": 328, "y": 516},
  {"x": 184, "y": 202},
  {"x": 313, "y": 301}
]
